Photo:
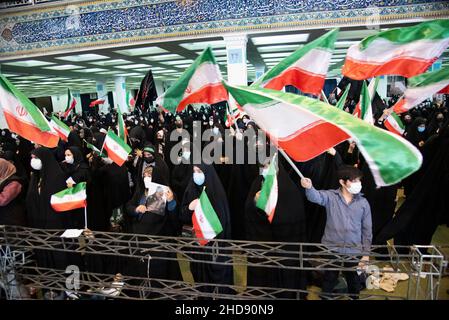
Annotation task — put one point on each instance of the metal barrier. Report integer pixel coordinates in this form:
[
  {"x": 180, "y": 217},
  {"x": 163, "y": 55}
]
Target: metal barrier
[{"x": 423, "y": 264}]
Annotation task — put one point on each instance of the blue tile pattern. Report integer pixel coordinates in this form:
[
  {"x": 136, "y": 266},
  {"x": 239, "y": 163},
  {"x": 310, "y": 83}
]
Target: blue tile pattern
[{"x": 105, "y": 22}]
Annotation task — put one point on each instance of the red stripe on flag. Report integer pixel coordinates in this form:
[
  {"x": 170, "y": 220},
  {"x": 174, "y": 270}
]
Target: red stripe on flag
[
  {"x": 61, "y": 134},
  {"x": 444, "y": 90},
  {"x": 305, "y": 81},
  {"x": 399, "y": 107},
  {"x": 113, "y": 156},
  {"x": 391, "y": 128},
  {"x": 198, "y": 232},
  {"x": 403, "y": 66},
  {"x": 312, "y": 141},
  {"x": 60, "y": 207},
  {"x": 208, "y": 94},
  {"x": 30, "y": 132}
]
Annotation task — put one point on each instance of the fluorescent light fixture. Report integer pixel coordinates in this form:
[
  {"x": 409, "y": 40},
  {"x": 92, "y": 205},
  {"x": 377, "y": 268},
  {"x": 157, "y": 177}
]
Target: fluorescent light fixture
[
  {"x": 141, "y": 51},
  {"x": 64, "y": 67},
  {"x": 133, "y": 66},
  {"x": 162, "y": 57},
  {"x": 28, "y": 63},
  {"x": 342, "y": 44},
  {"x": 203, "y": 45},
  {"x": 142, "y": 69},
  {"x": 8, "y": 75},
  {"x": 91, "y": 70},
  {"x": 131, "y": 74},
  {"x": 274, "y": 55},
  {"x": 287, "y": 38},
  {"x": 279, "y": 48},
  {"x": 175, "y": 62},
  {"x": 114, "y": 62},
  {"x": 183, "y": 65},
  {"x": 82, "y": 57},
  {"x": 356, "y": 34},
  {"x": 110, "y": 72}
]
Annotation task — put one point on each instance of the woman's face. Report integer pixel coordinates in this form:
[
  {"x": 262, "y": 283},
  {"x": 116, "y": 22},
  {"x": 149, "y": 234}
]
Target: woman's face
[
  {"x": 197, "y": 170},
  {"x": 68, "y": 153}
]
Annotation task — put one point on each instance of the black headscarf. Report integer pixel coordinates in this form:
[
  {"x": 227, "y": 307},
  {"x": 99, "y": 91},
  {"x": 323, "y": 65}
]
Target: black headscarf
[{"x": 78, "y": 170}]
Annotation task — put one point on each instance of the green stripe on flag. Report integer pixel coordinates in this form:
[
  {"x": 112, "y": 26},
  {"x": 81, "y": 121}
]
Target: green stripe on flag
[
  {"x": 429, "y": 30},
  {"x": 341, "y": 102},
  {"x": 391, "y": 158},
  {"x": 60, "y": 123},
  {"x": 37, "y": 116},
  {"x": 429, "y": 78},
  {"x": 70, "y": 191},
  {"x": 119, "y": 141},
  {"x": 267, "y": 186},
  {"x": 398, "y": 120},
  {"x": 210, "y": 213}
]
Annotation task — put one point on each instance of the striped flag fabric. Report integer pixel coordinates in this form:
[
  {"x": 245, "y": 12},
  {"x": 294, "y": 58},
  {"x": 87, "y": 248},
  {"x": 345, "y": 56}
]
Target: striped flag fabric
[
  {"x": 60, "y": 127},
  {"x": 268, "y": 196},
  {"x": 305, "y": 68},
  {"x": 205, "y": 221},
  {"x": 406, "y": 51},
  {"x": 306, "y": 127},
  {"x": 95, "y": 149},
  {"x": 200, "y": 83},
  {"x": 421, "y": 87},
  {"x": 96, "y": 102},
  {"x": 363, "y": 109},
  {"x": 394, "y": 124},
  {"x": 116, "y": 148},
  {"x": 24, "y": 118},
  {"x": 342, "y": 101},
  {"x": 70, "y": 198},
  {"x": 121, "y": 126},
  {"x": 71, "y": 103},
  {"x": 130, "y": 101}
]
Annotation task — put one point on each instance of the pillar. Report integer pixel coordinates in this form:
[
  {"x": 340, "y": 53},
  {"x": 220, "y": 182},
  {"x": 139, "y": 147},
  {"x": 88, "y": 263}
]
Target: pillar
[
  {"x": 120, "y": 94},
  {"x": 102, "y": 93}
]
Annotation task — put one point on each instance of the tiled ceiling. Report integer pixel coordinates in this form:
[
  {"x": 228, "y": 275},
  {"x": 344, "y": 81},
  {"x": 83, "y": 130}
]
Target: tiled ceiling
[{"x": 48, "y": 75}]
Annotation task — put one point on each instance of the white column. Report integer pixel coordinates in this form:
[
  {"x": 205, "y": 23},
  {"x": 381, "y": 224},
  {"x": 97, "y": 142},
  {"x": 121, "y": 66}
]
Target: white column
[
  {"x": 159, "y": 87},
  {"x": 102, "y": 93},
  {"x": 120, "y": 94},
  {"x": 77, "y": 95},
  {"x": 237, "y": 67},
  {"x": 260, "y": 70}
]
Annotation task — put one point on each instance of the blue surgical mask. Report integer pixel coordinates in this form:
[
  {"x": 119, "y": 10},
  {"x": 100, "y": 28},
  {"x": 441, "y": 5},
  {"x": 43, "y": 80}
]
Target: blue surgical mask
[
  {"x": 421, "y": 129},
  {"x": 198, "y": 178}
]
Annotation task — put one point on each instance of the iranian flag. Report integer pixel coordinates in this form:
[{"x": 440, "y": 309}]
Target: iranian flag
[
  {"x": 116, "y": 148},
  {"x": 268, "y": 196},
  {"x": 200, "y": 83},
  {"x": 24, "y": 118},
  {"x": 121, "y": 127},
  {"x": 305, "y": 68},
  {"x": 342, "y": 101},
  {"x": 399, "y": 51},
  {"x": 95, "y": 149},
  {"x": 130, "y": 101},
  {"x": 306, "y": 127},
  {"x": 96, "y": 102},
  {"x": 61, "y": 128},
  {"x": 205, "y": 220},
  {"x": 71, "y": 103},
  {"x": 69, "y": 199},
  {"x": 394, "y": 124},
  {"x": 422, "y": 87},
  {"x": 363, "y": 109}
]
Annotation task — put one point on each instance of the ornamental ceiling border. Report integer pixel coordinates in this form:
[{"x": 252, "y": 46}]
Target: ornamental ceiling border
[{"x": 38, "y": 32}]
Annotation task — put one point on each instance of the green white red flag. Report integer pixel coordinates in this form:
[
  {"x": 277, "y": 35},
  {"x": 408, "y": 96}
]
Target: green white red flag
[
  {"x": 71, "y": 103},
  {"x": 394, "y": 124},
  {"x": 116, "y": 148},
  {"x": 406, "y": 51},
  {"x": 363, "y": 109},
  {"x": 60, "y": 127},
  {"x": 70, "y": 198},
  {"x": 422, "y": 87},
  {"x": 121, "y": 126},
  {"x": 306, "y": 127},
  {"x": 24, "y": 118},
  {"x": 130, "y": 101},
  {"x": 305, "y": 68},
  {"x": 200, "y": 83},
  {"x": 342, "y": 101},
  {"x": 268, "y": 196},
  {"x": 205, "y": 221}
]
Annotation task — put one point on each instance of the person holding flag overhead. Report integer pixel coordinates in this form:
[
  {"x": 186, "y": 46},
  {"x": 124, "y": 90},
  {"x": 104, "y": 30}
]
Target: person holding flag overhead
[{"x": 348, "y": 227}]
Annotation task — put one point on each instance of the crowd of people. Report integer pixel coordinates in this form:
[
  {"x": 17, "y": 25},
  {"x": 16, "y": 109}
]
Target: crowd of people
[{"x": 117, "y": 195}]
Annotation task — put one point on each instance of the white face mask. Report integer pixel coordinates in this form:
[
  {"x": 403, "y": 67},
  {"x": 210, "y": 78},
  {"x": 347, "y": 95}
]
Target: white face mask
[
  {"x": 211, "y": 123},
  {"x": 264, "y": 172},
  {"x": 186, "y": 155},
  {"x": 215, "y": 131},
  {"x": 355, "y": 187},
  {"x": 147, "y": 182},
  {"x": 69, "y": 159},
  {"x": 107, "y": 160},
  {"x": 36, "y": 164}
]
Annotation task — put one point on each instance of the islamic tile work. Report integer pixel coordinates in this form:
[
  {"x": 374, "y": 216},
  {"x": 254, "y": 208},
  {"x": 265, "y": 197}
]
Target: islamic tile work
[{"x": 97, "y": 23}]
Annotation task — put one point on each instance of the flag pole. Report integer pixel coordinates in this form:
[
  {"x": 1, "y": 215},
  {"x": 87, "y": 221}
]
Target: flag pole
[
  {"x": 324, "y": 97},
  {"x": 85, "y": 217},
  {"x": 291, "y": 163}
]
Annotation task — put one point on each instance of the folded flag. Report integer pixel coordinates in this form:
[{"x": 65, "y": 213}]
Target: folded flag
[
  {"x": 342, "y": 101},
  {"x": 394, "y": 124},
  {"x": 305, "y": 68},
  {"x": 306, "y": 127},
  {"x": 206, "y": 223},
  {"x": 363, "y": 109},
  {"x": 116, "y": 148},
  {"x": 70, "y": 198},
  {"x": 200, "y": 83},
  {"x": 121, "y": 126},
  {"x": 421, "y": 87},
  {"x": 95, "y": 149},
  {"x": 404, "y": 51},
  {"x": 268, "y": 196},
  {"x": 24, "y": 118},
  {"x": 61, "y": 128},
  {"x": 71, "y": 103}
]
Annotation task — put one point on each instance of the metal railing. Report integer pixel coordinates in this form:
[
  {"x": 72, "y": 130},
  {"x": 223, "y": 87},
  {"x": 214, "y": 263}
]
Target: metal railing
[{"x": 424, "y": 265}]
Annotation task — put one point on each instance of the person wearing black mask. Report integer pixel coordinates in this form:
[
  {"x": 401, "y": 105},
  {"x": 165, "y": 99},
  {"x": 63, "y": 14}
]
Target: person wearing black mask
[{"x": 149, "y": 157}]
